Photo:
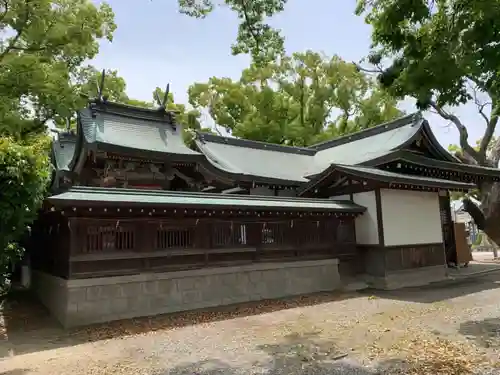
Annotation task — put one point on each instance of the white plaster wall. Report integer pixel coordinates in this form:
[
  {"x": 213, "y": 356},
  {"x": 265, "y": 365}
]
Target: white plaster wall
[
  {"x": 410, "y": 217},
  {"x": 366, "y": 224},
  {"x": 261, "y": 190}
]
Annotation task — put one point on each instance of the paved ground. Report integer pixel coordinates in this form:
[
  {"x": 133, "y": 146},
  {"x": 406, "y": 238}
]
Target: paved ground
[
  {"x": 484, "y": 256},
  {"x": 453, "y": 328}
]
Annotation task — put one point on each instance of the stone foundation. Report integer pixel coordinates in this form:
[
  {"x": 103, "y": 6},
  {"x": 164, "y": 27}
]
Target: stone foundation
[
  {"x": 408, "y": 278},
  {"x": 88, "y": 301}
]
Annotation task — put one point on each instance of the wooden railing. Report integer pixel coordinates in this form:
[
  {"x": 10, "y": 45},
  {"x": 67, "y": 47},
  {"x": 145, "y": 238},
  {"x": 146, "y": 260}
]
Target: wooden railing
[{"x": 108, "y": 246}]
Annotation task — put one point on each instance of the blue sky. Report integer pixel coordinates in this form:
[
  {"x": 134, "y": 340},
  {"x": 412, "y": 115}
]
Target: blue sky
[{"x": 154, "y": 45}]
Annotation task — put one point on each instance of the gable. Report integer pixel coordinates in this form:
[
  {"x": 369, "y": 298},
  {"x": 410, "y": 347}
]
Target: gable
[{"x": 120, "y": 133}]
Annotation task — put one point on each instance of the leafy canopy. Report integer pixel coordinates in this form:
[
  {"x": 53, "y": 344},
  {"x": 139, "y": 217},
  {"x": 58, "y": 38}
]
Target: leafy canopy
[
  {"x": 24, "y": 178},
  {"x": 300, "y": 100},
  {"x": 44, "y": 44},
  {"x": 255, "y": 36},
  {"x": 442, "y": 53},
  {"x": 43, "y": 47}
]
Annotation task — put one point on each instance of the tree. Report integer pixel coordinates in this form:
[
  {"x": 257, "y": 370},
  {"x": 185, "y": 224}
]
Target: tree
[
  {"x": 299, "y": 100},
  {"x": 88, "y": 85},
  {"x": 188, "y": 118},
  {"x": 255, "y": 36},
  {"x": 445, "y": 53},
  {"x": 24, "y": 178},
  {"x": 43, "y": 46}
]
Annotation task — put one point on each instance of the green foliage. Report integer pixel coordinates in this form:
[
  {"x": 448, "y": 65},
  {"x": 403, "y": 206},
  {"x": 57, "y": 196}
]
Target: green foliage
[
  {"x": 42, "y": 76},
  {"x": 300, "y": 100},
  {"x": 479, "y": 240},
  {"x": 188, "y": 118},
  {"x": 443, "y": 53},
  {"x": 24, "y": 177},
  {"x": 255, "y": 36},
  {"x": 438, "y": 44},
  {"x": 44, "y": 44}
]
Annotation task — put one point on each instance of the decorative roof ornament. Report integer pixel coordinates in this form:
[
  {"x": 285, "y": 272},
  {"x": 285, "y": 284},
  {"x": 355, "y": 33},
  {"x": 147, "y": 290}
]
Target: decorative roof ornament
[
  {"x": 100, "y": 86},
  {"x": 162, "y": 103}
]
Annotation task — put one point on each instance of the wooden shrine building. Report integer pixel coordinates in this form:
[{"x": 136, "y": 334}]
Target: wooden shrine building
[{"x": 139, "y": 224}]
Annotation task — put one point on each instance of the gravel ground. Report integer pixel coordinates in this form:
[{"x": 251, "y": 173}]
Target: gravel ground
[{"x": 446, "y": 329}]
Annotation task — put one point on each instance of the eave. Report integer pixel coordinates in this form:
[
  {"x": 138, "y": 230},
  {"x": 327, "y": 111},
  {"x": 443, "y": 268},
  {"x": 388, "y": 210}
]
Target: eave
[
  {"x": 143, "y": 154},
  {"x": 436, "y": 146},
  {"x": 343, "y": 176},
  {"x": 453, "y": 168},
  {"x": 131, "y": 199}
]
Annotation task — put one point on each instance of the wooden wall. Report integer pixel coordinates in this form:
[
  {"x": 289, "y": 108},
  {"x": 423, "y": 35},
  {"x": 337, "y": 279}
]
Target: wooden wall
[{"x": 81, "y": 247}]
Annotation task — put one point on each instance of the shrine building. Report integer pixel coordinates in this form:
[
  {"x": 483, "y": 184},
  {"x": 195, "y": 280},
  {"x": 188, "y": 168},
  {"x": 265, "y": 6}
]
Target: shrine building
[{"x": 139, "y": 224}]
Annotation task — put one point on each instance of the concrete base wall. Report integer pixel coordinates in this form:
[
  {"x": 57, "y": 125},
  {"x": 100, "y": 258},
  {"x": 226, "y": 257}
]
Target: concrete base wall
[
  {"x": 408, "y": 278},
  {"x": 87, "y": 301}
]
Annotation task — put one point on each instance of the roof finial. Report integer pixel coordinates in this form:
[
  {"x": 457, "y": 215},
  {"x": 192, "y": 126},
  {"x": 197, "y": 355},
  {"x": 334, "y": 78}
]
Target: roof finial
[
  {"x": 165, "y": 97},
  {"x": 157, "y": 97},
  {"x": 162, "y": 103},
  {"x": 100, "y": 85}
]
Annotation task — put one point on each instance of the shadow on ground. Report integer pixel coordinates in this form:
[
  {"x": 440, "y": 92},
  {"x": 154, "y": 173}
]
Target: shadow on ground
[
  {"x": 295, "y": 354},
  {"x": 26, "y": 326},
  {"x": 441, "y": 291},
  {"x": 306, "y": 354},
  {"x": 19, "y": 371},
  {"x": 485, "y": 333}
]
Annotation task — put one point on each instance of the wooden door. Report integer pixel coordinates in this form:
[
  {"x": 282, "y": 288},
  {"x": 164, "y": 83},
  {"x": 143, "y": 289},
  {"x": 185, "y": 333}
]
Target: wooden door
[
  {"x": 462, "y": 246},
  {"x": 447, "y": 228}
]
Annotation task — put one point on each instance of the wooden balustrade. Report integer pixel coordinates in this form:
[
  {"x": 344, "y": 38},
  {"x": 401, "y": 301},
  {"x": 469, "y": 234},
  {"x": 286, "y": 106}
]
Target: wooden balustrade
[{"x": 99, "y": 247}]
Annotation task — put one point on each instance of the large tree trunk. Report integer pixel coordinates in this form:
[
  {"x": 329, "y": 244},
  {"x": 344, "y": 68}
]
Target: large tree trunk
[{"x": 487, "y": 217}]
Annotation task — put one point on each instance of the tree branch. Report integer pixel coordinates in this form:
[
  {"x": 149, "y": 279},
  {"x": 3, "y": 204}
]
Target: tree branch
[
  {"x": 491, "y": 122},
  {"x": 462, "y": 130},
  {"x": 488, "y": 133},
  {"x": 366, "y": 70},
  {"x": 250, "y": 29},
  {"x": 5, "y": 11},
  {"x": 495, "y": 153},
  {"x": 19, "y": 30}
]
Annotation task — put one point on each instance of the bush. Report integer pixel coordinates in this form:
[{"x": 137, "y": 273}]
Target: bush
[
  {"x": 479, "y": 240},
  {"x": 25, "y": 172}
]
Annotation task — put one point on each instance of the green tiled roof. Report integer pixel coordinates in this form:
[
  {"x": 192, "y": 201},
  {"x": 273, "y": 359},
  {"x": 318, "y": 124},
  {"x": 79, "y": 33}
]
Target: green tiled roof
[
  {"x": 133, "y": 132},
  {"x": 264, "y": 160},
  {"x": 88, "y": 195},
  {"x": 367, "y": 145},
  {"x": 244, "y": 158}
]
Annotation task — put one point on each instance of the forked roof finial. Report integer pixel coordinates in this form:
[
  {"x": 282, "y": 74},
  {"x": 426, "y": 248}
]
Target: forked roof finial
[
  {"x": 162, "y": 103},
  {"x": 100, "y": 85}
]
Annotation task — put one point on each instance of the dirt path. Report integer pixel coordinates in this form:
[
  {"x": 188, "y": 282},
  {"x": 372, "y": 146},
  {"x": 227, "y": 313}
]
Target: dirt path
[{"x": 458, "y": 326}]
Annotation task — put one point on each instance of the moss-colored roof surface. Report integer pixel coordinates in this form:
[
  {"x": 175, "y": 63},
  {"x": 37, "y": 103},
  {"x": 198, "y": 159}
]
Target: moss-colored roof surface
[
  {"x": 256, "y": 159},
  {"x": 88, "y": 195},
  {"x": 151, "y": 134},
  {"x": 295, "y": 164},
  {"x": 141, "y": 132}
]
